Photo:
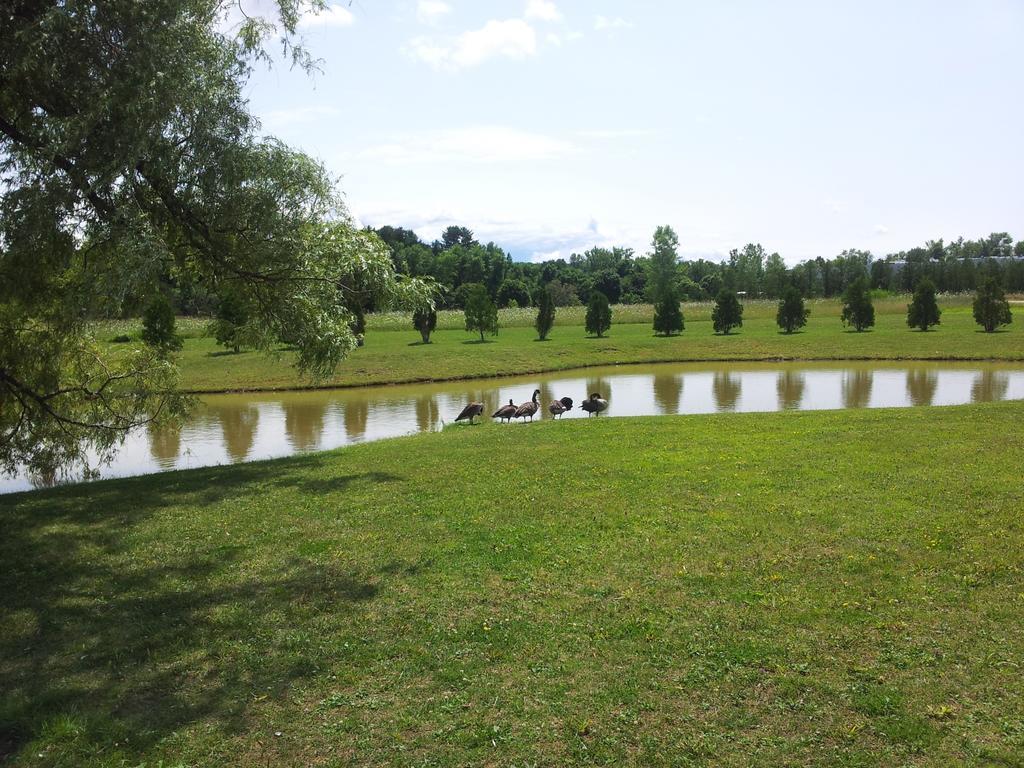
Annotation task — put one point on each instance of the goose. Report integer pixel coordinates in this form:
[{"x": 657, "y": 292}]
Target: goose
[
  {"x": 505, "y": 412},
  {"x": 594, "y": 404},
  {"x": 560, "y": 406},
  {"x": 471, "y": 410},
  {"x": 529, "y": 408}
]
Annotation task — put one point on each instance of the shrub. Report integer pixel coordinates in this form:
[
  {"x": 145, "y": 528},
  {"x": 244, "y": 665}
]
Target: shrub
[
  {"x": 923, "y": 310},
  {"x": 991, "y": 309},
  {"x": 545, "y": 313},
  {"x": 792, "y": 313},
  {"x": 599, "y": 314},
  {"x": 158, "y": 325},
  {"x": 727, "y": 312},
  {"x": 228, "y": 326},
  {"x": 858, "y": 310},
  {"x": 481, "y": 314},
  {"x": 424, "y": 321},
  {"x": 668, "y": 317}
]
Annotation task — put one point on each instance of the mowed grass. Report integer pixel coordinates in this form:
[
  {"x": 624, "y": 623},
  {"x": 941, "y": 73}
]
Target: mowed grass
[
  {"x": 398, "y": 356},
  {"x": 820, "y": 588}
]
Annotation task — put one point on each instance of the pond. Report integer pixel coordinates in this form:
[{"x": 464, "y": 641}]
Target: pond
[{"x": 226, "y": 429}]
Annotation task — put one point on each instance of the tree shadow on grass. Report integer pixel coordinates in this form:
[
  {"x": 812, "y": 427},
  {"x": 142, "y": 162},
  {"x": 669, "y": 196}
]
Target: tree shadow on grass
[
  {"x": 419, "y": 343},
  {"x": 143, "y": 639},
  {"x": 225, "y": 353},
  {"x": 479, "y": 341}
]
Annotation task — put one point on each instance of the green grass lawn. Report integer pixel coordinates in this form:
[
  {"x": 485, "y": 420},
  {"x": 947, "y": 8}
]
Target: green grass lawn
[
  {"x": 394, "y": 354},
  {"x": 821, "y": 588}
]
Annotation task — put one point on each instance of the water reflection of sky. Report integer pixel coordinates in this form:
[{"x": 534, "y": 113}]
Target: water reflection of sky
[{"x": 232, "y": 428}]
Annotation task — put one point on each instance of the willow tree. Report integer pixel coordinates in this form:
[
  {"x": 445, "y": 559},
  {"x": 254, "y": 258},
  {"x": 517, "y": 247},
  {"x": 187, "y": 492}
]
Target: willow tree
[{"x": 127, "y": 152}]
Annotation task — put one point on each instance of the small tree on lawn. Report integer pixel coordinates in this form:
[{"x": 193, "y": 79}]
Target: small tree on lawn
[
  {"x": 599, "y": 314},
  {"x": 228, "y": 326},
  {"x": 545, "y": 313},
  {"x": 481, "y": 314},
  {"x": 668, "y": 317},
  {"x": 727, "y": 312},
  {"x": 792, "y": 313},
  {"x": 991, "y": 309},
  {"x": 424, "y": 321},
  {"x": 923, "y": 310},
  {"x": 158, "y": 325},
  {"x": 858, "y": 310}
]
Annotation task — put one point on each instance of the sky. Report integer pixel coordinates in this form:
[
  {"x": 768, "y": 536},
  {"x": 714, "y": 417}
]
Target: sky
[{"x": 550, "y": 126}]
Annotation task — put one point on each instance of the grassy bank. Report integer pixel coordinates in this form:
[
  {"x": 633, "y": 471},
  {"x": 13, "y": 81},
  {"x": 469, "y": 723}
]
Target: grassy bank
[
  {"x": 393, "y": 356},
  {"x": 723, "y": 590}
]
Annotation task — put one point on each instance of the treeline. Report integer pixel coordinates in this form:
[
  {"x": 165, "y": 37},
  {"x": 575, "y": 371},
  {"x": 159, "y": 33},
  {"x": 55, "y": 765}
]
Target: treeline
[{"x": 457, "y": 259}]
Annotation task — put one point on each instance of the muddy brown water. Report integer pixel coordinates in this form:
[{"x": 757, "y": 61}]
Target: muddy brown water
[{"x": 227, "y": 429}]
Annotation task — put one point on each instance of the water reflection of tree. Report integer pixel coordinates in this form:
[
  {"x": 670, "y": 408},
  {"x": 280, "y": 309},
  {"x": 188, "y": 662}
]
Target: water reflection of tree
[
  {"x": 790, "y": 388},
  {"x": 668, "y": 389},
  {"x": 598, "y": 384},
  {"x": 238, "y": 425},
  {"x": 165, "y": 443},
  {"x": 427, "y": 412},
  {"x": 304, "y": 422},
  {"x": 357, "y": 411},
  {"x": 989, "y": 386},
  {"x": 921, "y": 386},
  {"x": 857, "y": 388},
  {"x": 726, "y": 388}
]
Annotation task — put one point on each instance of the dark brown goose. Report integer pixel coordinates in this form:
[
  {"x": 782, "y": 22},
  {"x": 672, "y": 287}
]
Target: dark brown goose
[
  {"x": 505, "y": 412},
  {"x": 471, "y": 410},
  {"x": 529, "y": 408},
  {"x": 560, "y": 406},
  {"x": 594, "y": 404}
]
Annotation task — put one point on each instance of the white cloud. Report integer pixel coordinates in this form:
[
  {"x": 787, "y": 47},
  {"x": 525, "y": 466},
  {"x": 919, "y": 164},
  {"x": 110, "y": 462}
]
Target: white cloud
[
  {"x": 431, "y": 11},
  {"x": 554, "y": 39},
  {"x": 512, "y": 38},
  {"x": 603, "y": 22},
  {"x": 474, "y": 144},
  {"x": 881, "y": 229},
  {"x": 332, "y": 16},
  {"x": 544, "y": 10},
  {"x": 279, "y": 118},
  {"x": 573, "y": 35},
  {"x": 626, "y": 133}
]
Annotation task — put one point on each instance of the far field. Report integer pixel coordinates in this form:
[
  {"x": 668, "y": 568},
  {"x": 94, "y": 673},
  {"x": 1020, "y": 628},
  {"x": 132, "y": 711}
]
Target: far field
[
  {"x": 394, "y": 354},
  {"x": 805, "y": 589}
]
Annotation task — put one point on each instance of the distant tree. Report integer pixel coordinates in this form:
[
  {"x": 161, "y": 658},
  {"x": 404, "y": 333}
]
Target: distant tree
[
  {"x": 563, "y": 294},
  {"x": 923, "y": 310},
  {"x": 663, "y": 266},
  {"x": 858, "y": 310},
  {"x": 792, "y": 313},
  {"x": 545, "y": 313},
  {"x": 668, "y": 317},
  {"x": 424, "y": 321},
  {"x": 991, "y": 309},
  {"x": 513, "y": 290},
  {"x": 230, "y": 318},
  {"x": 608, "y": 282},
  {"x": 453, "y": 236},
  {"x": 158, "y": 325},
  {"x": 481, "y": 314},
  {"x": 599, "y": 314},
  {"x": 727, "y": 312}
]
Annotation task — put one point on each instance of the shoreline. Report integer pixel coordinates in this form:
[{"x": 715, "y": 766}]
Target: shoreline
[{"x": 653, "y": 361}]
